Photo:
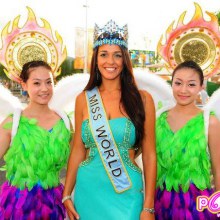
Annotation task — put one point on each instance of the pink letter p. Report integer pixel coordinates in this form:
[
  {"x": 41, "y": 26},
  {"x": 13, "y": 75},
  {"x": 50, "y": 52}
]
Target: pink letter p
[{"x": 201, "y": 203}]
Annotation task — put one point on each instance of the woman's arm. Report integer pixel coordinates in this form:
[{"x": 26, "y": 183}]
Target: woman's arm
[
  {"x": 5, "y": 137},
  {"x": 214, "y": 147},
  {"x": 77, "y": 155},
  {"x": 149, "y": 154}
]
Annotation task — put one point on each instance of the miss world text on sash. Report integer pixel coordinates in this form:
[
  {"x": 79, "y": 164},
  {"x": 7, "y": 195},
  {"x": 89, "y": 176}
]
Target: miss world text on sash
[{"x": 105, "y": 142}]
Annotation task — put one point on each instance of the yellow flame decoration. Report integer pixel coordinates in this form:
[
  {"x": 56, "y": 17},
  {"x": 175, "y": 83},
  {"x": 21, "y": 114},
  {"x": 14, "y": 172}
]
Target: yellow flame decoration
[
  {"x": 28, "y": 43},
  {"x": 199, "y": 40}
]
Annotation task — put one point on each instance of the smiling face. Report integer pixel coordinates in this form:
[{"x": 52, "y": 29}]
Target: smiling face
[
  {"x": 186, "y": 85},
  {"x": 39, "y": 85},
  {"x": 110, "y": 61}
]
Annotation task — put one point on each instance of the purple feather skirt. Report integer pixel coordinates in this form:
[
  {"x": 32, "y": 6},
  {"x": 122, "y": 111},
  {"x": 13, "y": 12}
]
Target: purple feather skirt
[
  {"x": 181, "y": 206},
  {"x": 16, "y": 204}
]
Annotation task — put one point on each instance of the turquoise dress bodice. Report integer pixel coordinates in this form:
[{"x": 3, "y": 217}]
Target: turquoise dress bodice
[
  {"x": 93, "y": 188},
  {"x": 125, "y": 134}
]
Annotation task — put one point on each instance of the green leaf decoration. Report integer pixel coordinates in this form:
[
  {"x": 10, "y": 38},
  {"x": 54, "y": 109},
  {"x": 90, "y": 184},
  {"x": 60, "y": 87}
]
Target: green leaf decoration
[
  {"x": 37, "y": 155},
  {"x": 159, "y": 105},
  {"x": 7, "y": 125},
  {"x": 182, "y": 157}
]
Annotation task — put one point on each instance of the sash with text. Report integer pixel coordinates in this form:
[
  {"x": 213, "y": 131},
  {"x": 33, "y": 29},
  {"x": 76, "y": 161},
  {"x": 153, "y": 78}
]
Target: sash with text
[{"x": 105, "y": 142}]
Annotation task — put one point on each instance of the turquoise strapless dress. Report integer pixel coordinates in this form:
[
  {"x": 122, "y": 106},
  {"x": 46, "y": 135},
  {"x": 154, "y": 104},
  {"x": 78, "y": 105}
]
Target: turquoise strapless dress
[{"x": 94, "y": 196}]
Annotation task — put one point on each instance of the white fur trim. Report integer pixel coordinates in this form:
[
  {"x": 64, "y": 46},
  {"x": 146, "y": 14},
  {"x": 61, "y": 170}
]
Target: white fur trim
[{"x": 15, "y": 122}]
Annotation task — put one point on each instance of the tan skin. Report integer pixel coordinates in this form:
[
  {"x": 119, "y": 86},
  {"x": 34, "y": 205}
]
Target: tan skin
[
  {"x": 40, "y": 89},
  {"x": 110, "y": 64},
  {"x": 186, "y": 86}
]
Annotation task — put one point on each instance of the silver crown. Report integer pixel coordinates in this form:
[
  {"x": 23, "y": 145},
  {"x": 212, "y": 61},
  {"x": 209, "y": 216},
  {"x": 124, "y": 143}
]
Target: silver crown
[{"x": 111, "y": 33}]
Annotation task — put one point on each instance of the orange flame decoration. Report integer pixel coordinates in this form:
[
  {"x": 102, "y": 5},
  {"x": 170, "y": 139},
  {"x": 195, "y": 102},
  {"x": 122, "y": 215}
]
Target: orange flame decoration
[
  {"x": 209, "y": 31},
  {"x": 33, "y": 36}
]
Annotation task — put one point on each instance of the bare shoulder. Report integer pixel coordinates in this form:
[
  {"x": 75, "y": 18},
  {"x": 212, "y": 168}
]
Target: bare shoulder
[
  {"x": 6, "y": 120},
  {"x": 214, "y": 121},
  {"x": 81, "y": 104},
  {"x": 81, "y": 99},
  {"x": 146, "y": 97},
  {"x": 4, "y": 129}
]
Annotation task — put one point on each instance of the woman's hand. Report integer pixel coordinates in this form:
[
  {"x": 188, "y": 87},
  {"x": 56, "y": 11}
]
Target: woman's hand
[
  {"x": 147, "y": 216},
  {"x": 71, "y": 210}
]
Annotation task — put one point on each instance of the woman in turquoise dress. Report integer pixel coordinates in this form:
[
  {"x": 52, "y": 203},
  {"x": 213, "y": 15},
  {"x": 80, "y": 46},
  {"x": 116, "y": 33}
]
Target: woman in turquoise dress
[
  {"x": 113, "y": 121},
  {"x": 188, "y": 149}
]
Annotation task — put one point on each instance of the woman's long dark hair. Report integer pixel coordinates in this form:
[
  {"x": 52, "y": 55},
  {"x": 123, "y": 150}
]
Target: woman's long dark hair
[{"x": 130, "y": 96}]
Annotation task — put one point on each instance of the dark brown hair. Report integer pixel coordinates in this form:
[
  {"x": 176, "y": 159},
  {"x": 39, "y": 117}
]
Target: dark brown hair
[
  {"x": 190, "y": 65},
  {"x": 25, "y": 73},
  {"x": 130, "y": 96}
]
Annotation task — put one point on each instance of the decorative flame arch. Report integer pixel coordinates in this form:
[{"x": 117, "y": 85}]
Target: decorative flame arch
[
  {"x": 199, "y": 40},
  {"x": 28, "y": 43}
]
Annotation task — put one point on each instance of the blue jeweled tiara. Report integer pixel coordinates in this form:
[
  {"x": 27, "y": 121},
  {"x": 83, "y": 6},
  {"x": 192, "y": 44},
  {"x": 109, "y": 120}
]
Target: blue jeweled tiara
[{"x": 111, "y": 34}]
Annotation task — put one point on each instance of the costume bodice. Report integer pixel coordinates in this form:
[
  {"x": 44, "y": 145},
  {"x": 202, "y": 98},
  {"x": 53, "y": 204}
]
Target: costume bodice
[
  {"x": 122, "y": 129},
  {"x": 37, "y": 155},
  {"x": 182, "y": 156},
  {"x": 123, "y": 132}
]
